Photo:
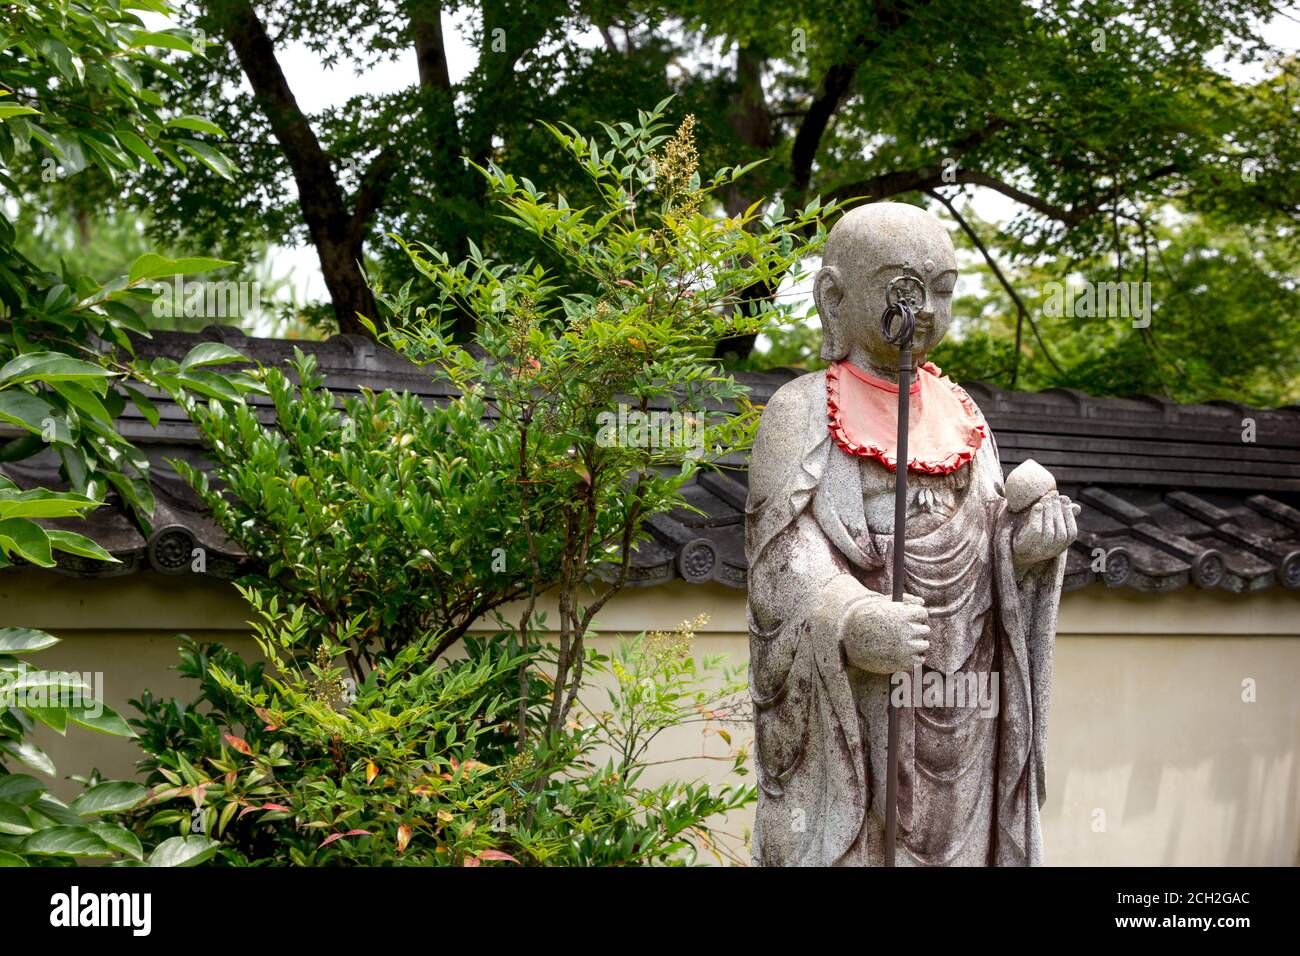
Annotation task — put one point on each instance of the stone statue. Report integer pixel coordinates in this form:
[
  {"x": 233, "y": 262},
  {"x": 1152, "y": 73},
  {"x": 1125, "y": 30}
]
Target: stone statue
[{"x": 967, "y": 654}]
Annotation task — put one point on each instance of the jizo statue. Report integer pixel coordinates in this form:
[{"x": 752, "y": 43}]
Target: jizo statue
[{"x": 965, "y": 653}]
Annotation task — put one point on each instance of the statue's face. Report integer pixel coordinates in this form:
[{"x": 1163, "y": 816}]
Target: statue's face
[{"x": 869, "y": 248}]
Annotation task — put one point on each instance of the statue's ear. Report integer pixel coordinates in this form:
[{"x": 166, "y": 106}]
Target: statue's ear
[{"x": 828, "y": 294}]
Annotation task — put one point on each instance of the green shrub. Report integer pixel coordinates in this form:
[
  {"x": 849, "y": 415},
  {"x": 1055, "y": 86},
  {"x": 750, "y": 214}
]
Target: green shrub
[
  {"x": 382, "y": 528},
  {"x": 35, "y": 826},
  {"x": 418, "y": 770}
]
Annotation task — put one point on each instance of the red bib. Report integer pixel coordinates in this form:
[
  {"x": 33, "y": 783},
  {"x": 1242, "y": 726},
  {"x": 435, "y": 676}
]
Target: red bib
[{"x": 945, "y": 429}]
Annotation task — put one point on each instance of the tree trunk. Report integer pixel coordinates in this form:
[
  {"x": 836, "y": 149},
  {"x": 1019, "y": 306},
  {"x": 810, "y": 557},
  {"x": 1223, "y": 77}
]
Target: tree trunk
[
  {"x": 338, "y": 243},
  {"x": 349, "y": 293}
]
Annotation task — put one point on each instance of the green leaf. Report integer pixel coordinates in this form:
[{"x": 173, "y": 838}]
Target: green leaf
[
  {"x": 183, "y": 851},
  {"x": 196, "y": 123},
  {"x": 19, "y": 788},
  {"x": 138, "y": 146},
  {"x": 16, "y": 449},
  {"x": 24, "y": 640},
  {"x": 57, "y": 810},
  {"x": 110, "y": 797},
  {"x": 11, "y": 859},
  {"x": 110, "y": 154},
  {"x": 83, "y": 399},
  {"x": 13, "y": 821},
  {"x": 65, "y": 61},
  {"x": 209, "y": 384},
  {"x": 119, "y": 838},
  {"x": 78, "y": 544},
  {"x": 56, "y": 718},
  {"x": 101, "y": 718},
  {"x": 124, "y": 317},
  {"x": 144, "y": 404},
  {"x": 28, "y": 753},
  {"x": 52, "y": 367},
  {"x": 66, "y": 841},
  {"x": 210, "y": 353},
  {"x": 153, "y": 266},
  {"x": 25, "y": 539},
  {"x": 48, "y": 681},
  {"x": 148, "y": 266},
  {"x": 42, "y": 503},
  {"x": 187, "y": 265},
  {"x": 170, "y": 41},
  {"x": 13, "y": 109},
  {"x": 209, "y": 157},
  {"x": 157, "y": 6},
  {"x": 22, "y": 408}
]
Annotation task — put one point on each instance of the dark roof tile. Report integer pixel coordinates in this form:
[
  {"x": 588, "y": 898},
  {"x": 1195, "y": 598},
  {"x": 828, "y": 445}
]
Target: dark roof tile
[{"x": 1172, "y": 494}]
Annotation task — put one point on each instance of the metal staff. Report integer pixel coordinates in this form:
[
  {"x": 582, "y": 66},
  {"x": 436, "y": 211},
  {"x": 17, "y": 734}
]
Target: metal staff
[{"x": 905, "y": 297}]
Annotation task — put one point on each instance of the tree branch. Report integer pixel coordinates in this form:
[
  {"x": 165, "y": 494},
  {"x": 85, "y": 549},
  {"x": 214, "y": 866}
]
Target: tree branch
[
  {"x": 430, "y": 48},
  {"x": 319, "y": 195},
  {"x": 1023, "y": 313},
  {"x": 834, "y": 89},
  {"x": 930, "y": 176}
]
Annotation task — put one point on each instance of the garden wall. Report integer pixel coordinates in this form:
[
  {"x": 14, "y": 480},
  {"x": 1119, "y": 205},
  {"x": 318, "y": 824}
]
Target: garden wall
[{"x": 1154, "y": 755}]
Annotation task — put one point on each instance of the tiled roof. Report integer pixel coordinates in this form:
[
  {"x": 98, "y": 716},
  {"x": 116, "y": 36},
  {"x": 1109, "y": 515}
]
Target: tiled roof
[{"x": 1173, "y": 495}]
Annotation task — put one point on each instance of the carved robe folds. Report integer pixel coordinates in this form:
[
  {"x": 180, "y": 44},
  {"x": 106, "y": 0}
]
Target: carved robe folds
[{"x": 970, "y": 779}]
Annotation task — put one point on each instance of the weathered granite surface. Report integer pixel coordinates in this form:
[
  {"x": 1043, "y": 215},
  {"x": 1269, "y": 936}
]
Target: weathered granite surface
[{"x": 826, "y": 643}]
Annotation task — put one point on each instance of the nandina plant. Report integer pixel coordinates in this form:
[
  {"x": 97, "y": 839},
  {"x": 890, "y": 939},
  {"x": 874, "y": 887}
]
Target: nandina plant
[
  {"x": 382, "y": 528},
  {"x": 602, "y": 392}
]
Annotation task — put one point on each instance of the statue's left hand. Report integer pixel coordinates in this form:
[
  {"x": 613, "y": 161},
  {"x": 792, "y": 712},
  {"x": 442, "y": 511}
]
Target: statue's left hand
[{"x": 1045, "y": 530}]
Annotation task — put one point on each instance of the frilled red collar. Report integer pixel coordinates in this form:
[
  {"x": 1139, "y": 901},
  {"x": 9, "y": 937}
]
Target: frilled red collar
[{"x": 945, "y": 428}]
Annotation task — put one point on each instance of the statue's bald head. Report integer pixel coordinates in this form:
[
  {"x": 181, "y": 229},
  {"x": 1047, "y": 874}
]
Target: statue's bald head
[{"x": 867, "y": 248}]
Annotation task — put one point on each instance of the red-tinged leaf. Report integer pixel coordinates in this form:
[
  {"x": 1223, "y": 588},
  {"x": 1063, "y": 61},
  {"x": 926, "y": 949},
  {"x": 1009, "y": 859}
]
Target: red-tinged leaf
[
  {"x": 403, "y": 837},
  {"x": 371, "y": 771},
  {"x": 239, "y": 744},
  {"x": 265, "y": 806},
  {"x": 471, "y": 861},
  {"x": 496, "y": 855},
  {"x": 198, "y": 793},
  {"x": 265, "y": 715},
  {"x": 162, "y": 792},
  {"x": 339, "y": 836}
]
